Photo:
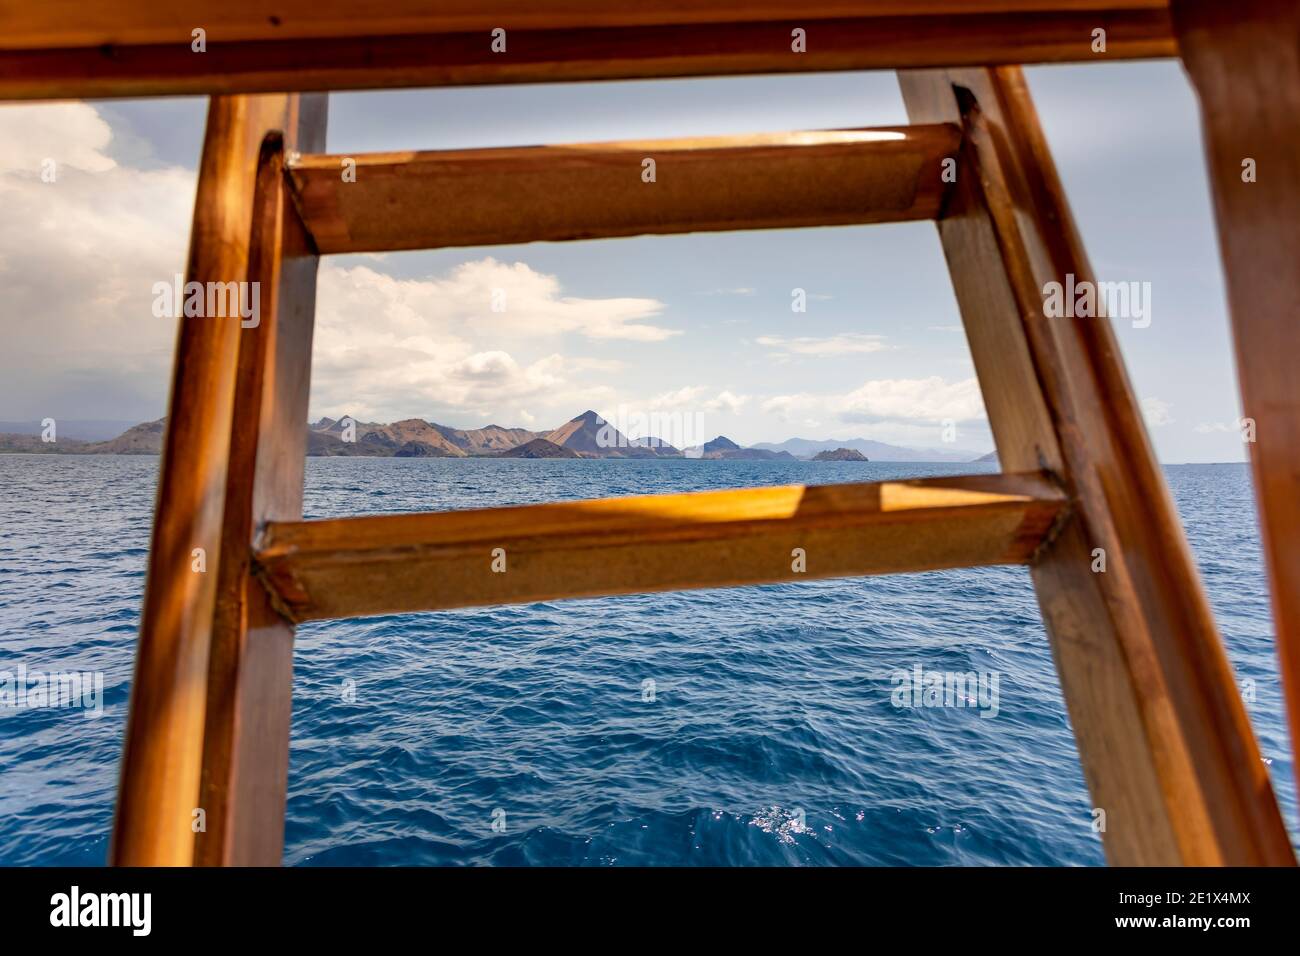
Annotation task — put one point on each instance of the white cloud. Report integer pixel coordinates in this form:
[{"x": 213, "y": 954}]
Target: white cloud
[
  {"x": 78, "y": 260},
  {"x": 846, "y": 344},
  {"x": 71, "y": 135},
  {"x": 1210, "y": 428},
  {"x": 533, "y": 305},
  {"x": 726, "y": 401},
  {"x": 388, "y": 347},
  {"x": 903, "y": 401},
  {"x": 1156, "y": 412},
  {"x": 688, "y": 396},
  {"x": 695, "y": 398}
]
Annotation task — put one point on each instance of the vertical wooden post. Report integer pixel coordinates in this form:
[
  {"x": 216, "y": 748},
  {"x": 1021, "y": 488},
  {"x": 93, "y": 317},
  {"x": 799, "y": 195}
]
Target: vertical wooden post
[
  {"x": 1165, "y": 744},
  {"x": 162, "y": 756},
  {"x": 1244, "y": 61},
  {"x": 246, "y": 743}
]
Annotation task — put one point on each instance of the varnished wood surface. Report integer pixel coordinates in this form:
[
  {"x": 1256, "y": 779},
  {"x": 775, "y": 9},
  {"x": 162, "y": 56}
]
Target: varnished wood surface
[
  {"x": 427, "y": 200},
  {"x": 162, "y": 756},
  {"x": 330, "y": 47},
  {"x": 1166, "y": 747},
  {"x": 62, "y": 23},
  {"x": 418, "y": 562},
  {"x": 250, "y": 683},
  {"x": 1244, "y": 61}
]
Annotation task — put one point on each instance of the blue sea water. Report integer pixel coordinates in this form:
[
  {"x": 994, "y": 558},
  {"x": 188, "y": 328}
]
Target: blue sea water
[{"x": 771, "y": 737}]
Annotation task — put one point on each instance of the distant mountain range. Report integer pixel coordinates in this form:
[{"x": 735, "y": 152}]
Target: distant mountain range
[
  {"x": 586, "y": 436},
  {"x": 80, "y": 429},
  {"x": 144, "y": 439},
  {"x": 409, "y": 438},
  {"x": 874, "y": 450}
]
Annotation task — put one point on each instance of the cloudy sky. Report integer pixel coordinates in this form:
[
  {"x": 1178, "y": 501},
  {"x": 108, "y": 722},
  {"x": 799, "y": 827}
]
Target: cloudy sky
[{"x": 698, "y": 324}]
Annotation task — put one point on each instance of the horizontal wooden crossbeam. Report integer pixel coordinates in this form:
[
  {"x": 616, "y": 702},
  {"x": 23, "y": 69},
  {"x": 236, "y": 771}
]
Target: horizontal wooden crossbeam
[
  {"x": 134, "y": 48},
  {"x": 70, "y": 23},
  {"x": 429, "y": 200},
  {"x": 348, "y": 567}
]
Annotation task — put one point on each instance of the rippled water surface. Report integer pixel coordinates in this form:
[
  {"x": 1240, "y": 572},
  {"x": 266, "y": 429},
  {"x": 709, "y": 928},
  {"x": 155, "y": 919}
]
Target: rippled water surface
[{"x": 771, "y": 737}]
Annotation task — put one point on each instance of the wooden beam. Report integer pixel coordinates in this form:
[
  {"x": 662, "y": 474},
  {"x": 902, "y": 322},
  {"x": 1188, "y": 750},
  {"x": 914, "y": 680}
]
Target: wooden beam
[
  {"x": 250, "y": 674},
  {"x": 477, "y": 197},
  {"x": 396, "y": 563},
  {"x": 1244, "y": 61},
  {"x": 115, "y": 49},
  {"x": 1165, "y": 744},
  {"x": 161, "y": 761},
  {"x": 70, "y": 23}
]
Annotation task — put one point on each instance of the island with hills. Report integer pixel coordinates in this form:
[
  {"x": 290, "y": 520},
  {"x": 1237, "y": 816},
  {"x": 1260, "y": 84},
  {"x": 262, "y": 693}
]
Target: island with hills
[
  {"x": 840, "y": 454},
  {"x": 585, "y": 436}
]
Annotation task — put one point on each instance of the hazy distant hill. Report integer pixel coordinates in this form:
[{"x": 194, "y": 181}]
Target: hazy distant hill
[
  {"x": 74, "y": 428},
  {"x": 488, "y": 439},
  {"x": 723, "y": 447},
  {"x": 376, "y": 439},
  {"x": 371, "y": 444},
  {"x": 418, "y": 430},
  {"x": 875, "y": 450},
  {"x": 32, "y": 444},
  {"x": 539, "y": 448},
  {"x": 143, "y": 439},
  {"x": 660, "y": 446},
  {"x": 70, "y": 435},
  {"x": 418, "y": 449},
  {"x": 720, "y": 444}
]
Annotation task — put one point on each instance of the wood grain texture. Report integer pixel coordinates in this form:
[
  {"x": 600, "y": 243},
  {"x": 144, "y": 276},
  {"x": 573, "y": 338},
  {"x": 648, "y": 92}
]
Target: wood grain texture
[
  {"x": 161, "y": 762},
  {"x": 57, "y": 23},
  {"x": 1166, "y": 747},
  {"x": 1244, "y": 61},
  {"x": 80, "y": 56},
  {"x": 429, "y": 200},
  {"x": 250, "y": 674},
  {"x": 394, "y": 563}
]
